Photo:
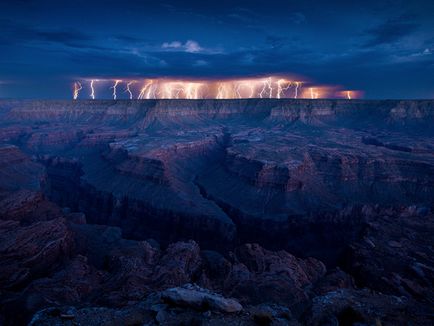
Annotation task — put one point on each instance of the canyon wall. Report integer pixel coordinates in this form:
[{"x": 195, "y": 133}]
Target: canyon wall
[{"x": 294, "y": 174}]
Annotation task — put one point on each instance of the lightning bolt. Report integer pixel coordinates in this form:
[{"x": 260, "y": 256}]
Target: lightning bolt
[
  {"x": 167, "y": 91},
  {"x": 192, "y": 90},
  {"x": 153, "y": 91},
  {"x": 223, "y": 91},
  {"x": 128, "y": 90},
  {"x": 144, "y": 92},
  {"x": 77, "y": 89},
  {"x": 237, "y": 90},
  {"x": 245, "y": 84},
  {"x": 266, "y": 84},
  {"x": 297, "y": 85},
  {"x": 173, "y": 89},
  {"x": 252, "y": 90},
  {"x": 219, "y": 92},
  {"x": 114, "y": 88},
  {"x": 281, "y": 90},
  {"x": 349, "y": 95},
  {"x": 261, "y": 93},
  {"x": 178, "y": 90},
  {"x": 92, "y": 89},
  {"x": 313, "y": 93},
  {"x": 270, "y": 87}
]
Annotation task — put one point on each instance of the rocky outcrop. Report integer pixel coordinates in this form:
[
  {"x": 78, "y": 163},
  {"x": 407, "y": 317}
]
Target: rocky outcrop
[
  {"x": 31, "y": 251},
  {"x": 395, "y": 254},
  {"x": 350, "y": 307},
  {"x": 27, "y": 206},
  {"x": 161, "y": 314},
  {"x": 17, "y": 170},
  {"x": 195, "y": 297},
  {"x": 131, "y": 282},
  {"x": 278, "y": 277},
  {"x": 52, "y": 262},
  {"x": 137, "y": 268},
  {"x": 98, "y": 316}
]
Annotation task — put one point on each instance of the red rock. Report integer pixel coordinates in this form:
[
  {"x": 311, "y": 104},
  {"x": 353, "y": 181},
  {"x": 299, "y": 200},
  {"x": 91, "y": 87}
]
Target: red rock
[
  {"x": 28, "y": 206},
  {"x": 362, "y": 306},
  {"x": 195, "y": 297},
  {"x": 317, "y": 178},
  {"x": 395, "y": 267},
  {"x": 27, "y": 252},
  {"x": 17, "y": 170},
  {"x": 270, "y": 276},
  {"x": 178, "y": 265}
]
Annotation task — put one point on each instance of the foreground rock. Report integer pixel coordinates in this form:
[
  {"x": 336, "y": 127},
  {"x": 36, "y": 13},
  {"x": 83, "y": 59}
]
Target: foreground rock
[
  {"x": 27, "y": 206},
  {"x": 198, "y": 298},
  {"x": 396, "y": 255},
  {"x": 143, "y": 314},
  {"x": 352, "y": 307},
  {"x": 133, "y": 282},
  {"x": 93, "y": 265},
  {"x": 342, "y": 307},
  {"x": 28, "y": 252},
  {"x": 98, "y": 316},
  {"x": 260, "y": 275}
]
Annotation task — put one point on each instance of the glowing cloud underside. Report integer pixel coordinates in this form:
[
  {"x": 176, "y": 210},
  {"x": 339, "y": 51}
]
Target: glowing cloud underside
[{"x": 263, "y": 87}]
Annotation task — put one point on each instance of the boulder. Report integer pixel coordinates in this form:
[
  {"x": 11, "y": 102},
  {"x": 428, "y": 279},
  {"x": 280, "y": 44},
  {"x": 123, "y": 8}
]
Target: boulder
[{"x": 195, "y": 297}]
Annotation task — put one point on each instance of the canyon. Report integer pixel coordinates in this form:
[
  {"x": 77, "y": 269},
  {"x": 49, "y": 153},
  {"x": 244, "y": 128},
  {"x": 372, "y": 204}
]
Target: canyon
[{"x": 243, "y": 212}]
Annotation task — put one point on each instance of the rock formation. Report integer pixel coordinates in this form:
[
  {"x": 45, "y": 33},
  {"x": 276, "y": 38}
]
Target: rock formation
[{"x": 272, "y": 212}]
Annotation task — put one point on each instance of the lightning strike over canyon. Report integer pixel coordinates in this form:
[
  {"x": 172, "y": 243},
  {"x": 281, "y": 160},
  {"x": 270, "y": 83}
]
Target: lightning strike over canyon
[
  {"x": 166, "y": 88},
  {"x": 280, "y": 88},
  {"x": 117, "y": 81},
  {"x": 77, "y": 89},
  {"x": 92, "y": 89},
  {"x": 313, "y": 93},
  {"x": 145, "y": 90},
  {"x": 128, "y": 90},
  {"x": 297, "y": 86}
]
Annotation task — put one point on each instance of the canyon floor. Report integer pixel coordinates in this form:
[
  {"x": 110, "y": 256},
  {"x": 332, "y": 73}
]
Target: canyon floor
[{"x": 217, "y": 212}]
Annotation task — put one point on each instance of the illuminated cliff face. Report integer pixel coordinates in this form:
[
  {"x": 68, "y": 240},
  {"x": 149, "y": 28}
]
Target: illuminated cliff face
[{"x": 165, "y": 88}]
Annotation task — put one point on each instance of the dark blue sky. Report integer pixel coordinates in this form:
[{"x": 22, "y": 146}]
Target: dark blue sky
[{"x": 385, "y": 48}]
